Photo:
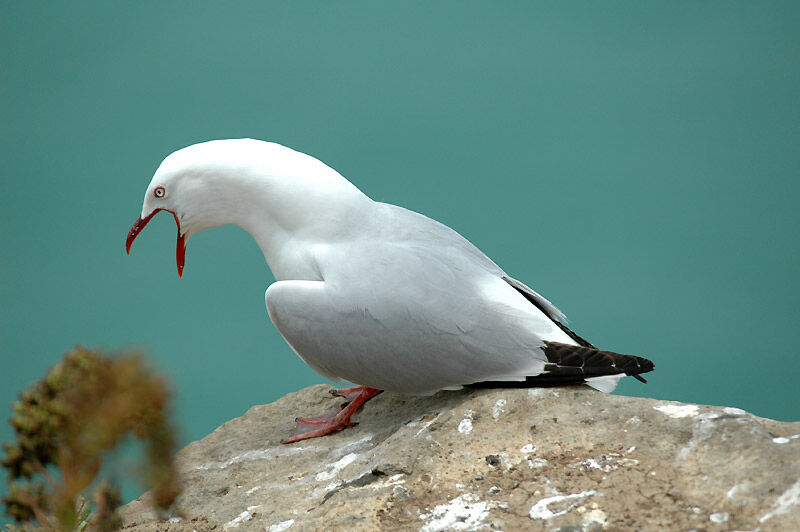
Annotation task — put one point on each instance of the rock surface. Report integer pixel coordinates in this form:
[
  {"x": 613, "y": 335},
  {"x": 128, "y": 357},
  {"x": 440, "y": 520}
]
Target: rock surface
[{"x": 564, "y": 459}]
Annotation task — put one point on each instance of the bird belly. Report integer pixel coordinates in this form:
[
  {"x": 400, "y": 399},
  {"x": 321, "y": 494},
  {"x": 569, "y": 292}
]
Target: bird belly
[{"x": 396, "y": 349}]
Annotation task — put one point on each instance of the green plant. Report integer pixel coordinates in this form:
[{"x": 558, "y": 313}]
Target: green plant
[{"x": 66, "y": 422}]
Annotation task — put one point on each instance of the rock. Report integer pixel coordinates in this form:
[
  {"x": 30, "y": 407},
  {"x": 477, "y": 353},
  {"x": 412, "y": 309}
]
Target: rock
[{"x": 511, "y": 459}]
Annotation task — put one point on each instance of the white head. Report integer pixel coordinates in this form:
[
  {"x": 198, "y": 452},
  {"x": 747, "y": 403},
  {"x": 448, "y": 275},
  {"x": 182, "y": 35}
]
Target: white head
[{"x": 260, "y": 186}]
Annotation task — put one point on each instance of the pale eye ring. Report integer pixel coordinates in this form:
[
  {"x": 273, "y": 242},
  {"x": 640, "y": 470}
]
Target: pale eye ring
[{"x": 159, "y": 192}]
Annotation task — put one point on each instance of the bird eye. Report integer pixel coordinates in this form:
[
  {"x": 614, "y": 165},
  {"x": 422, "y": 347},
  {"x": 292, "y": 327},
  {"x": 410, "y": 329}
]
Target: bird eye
[{"x": 159, "y": 192}]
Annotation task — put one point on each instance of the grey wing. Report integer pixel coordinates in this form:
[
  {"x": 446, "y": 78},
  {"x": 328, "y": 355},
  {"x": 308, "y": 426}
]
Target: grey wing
[
  {"x": 460, "y": 250},
  {"x": 410, "y": 319},
  {"x": 437, "y": 238}
]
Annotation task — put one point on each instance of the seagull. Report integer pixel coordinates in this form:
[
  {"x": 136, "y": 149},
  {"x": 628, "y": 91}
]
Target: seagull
[{"x": 369, "y": 292}]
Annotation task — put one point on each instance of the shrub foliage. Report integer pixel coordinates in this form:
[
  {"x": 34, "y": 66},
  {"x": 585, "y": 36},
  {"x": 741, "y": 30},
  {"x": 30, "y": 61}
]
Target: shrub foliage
[{"x": 66, "y": 422}]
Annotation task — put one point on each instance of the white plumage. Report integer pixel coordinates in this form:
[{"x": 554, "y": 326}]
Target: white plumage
[{"x": 365, "y": 291}]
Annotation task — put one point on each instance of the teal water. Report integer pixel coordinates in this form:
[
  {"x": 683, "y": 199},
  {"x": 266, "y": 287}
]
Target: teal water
[{"x": 637, "y": 163}]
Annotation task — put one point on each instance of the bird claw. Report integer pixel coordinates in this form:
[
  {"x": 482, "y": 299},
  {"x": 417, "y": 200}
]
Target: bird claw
[{"x": 312, "y": 427}]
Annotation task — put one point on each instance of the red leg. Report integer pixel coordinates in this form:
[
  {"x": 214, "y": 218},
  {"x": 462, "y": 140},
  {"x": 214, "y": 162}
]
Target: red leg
[
  {"x": 349, "y": 393},
  {"x": 313, "y": 427}
]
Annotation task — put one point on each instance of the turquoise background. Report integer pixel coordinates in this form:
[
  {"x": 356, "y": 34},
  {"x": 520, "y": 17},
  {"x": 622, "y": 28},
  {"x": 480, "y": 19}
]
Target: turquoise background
[{"x": 635, "y": 162}]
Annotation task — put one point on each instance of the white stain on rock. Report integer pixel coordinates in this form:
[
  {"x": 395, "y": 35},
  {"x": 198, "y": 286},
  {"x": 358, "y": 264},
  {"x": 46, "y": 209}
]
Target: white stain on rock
[
  {"x": 358, "y": 445},
  {"x": 261, "y": 454},
  {"x": 731, "y": 411},
  {"x": 535, "y": 393},
  {"x": 280, "y": 527},
  {"x": 324, "y": 490},
  {"x": 702, "y": 430},
  {"x": 719, "y": 517},
  {"x": 607, "y": 462},
  {"x": 784, "y": 503},
  {"x": 536, "y": 463},
  {"x": 336, "y": 467},
  {"x": 541, "y": 510},
  {"x": 498, "y": 409},
  {"x": 634, "y": 421},
  {"x": 465, "y": 512},
  {"x": 389, "y": 482},
  {"x": 731, "y": 493},
  {"x": 528, "y": 448},
  {"x": 424, "y": 425},
  {"x": 591, "y": 463},
  {"x": 241, "y": 518},
  {"x": 677, "y": 411},
  {"x": 594, "y": 516},
  {"x": 465, "y": 427}
]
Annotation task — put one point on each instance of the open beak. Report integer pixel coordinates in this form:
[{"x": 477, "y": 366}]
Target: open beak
[{"x": 180, "y": 248}]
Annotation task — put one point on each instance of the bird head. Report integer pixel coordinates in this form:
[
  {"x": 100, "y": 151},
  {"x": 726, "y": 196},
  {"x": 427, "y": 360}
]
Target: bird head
[
  {"x": 267, "y": 189},
  {"x": 156, "y": 200},
  {"x": 184, "y": 185}
]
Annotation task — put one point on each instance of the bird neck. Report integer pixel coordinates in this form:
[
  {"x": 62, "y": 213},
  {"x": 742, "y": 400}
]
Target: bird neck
[
  {"x": 290, "y": 210},
  {"x": 288, "y": 228},
  {"x": 288, "y": 201}
]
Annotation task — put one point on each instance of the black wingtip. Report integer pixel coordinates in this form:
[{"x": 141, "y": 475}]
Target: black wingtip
[{"x": 574, "y": 364}]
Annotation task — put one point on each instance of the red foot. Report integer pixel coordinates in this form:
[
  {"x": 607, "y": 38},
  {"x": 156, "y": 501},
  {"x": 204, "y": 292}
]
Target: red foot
[{"x": 313, "y": 427}]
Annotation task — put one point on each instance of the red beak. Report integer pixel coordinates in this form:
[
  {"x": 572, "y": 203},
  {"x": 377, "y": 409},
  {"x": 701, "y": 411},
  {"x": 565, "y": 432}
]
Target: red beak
[{"x": 180, "y": 249}]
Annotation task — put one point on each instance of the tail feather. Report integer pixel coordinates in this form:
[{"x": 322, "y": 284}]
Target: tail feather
[
  {"x": 604, "y": 383},
  {"x": 574, "y": 364},
  {"x": 573, "y": 359}
]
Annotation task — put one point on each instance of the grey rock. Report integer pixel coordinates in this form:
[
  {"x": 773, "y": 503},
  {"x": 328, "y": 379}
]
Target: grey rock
[{"x": 561, "y": 459}]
